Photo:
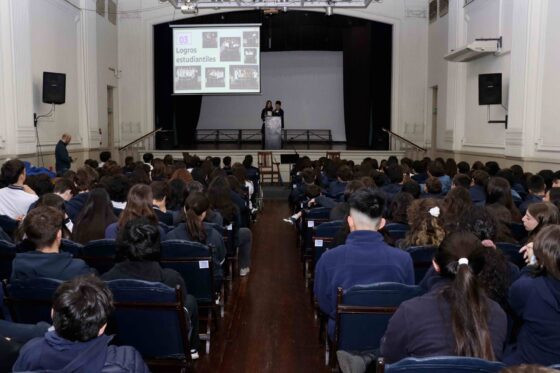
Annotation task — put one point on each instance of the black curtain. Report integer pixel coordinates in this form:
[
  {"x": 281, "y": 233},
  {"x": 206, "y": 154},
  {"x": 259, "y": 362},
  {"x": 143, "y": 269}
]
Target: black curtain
[{"x": 367, "y": 70}]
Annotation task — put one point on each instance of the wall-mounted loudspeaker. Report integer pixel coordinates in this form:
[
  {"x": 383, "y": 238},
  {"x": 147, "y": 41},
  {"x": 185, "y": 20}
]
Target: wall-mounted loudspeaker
[
  {"x": 54, "y": 88},
  {"x": 490, "y": 89}
]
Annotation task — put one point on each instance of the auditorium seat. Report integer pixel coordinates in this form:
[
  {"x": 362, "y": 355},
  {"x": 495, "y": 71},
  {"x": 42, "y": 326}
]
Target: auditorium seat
[
  {"x": 150, "y": 316},
  {"x": 100, "y": 254},
  {"x": 71, "y": 247},
  {"x": 193, "y": 261},
  {"x": 367, "y": 308},
  {"x": 29, "y": 301},
  {"x": 309, "y": 219},
  {"x": 396, "y": 231},
  {"x": 7, "y": 254},
  {"x": 440, "y": 364},
  {"x": 422, "y": 259},
  {"x": 323, "y": 238},
  {"x": 8, "y": 225}
]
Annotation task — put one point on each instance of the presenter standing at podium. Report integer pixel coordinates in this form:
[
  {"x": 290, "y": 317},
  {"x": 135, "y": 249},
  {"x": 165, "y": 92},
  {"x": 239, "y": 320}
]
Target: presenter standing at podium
[
  {"x": 278, "y": 112},
  {"x": 266, "y": 112}
]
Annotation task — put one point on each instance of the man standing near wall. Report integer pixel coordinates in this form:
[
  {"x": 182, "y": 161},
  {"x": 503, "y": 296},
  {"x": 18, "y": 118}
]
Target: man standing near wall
[{"x": 62, "y": 158}]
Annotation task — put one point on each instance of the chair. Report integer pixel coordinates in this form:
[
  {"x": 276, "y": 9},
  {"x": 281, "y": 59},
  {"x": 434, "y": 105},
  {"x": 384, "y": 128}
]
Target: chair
[
  {"x": 7, "y": 255},
  {"x": 8, "y": 225},
  {"x": 422, "y": 259},
  {"x": 440, "y": 364},
  {"x": 100, "y": 254},
  {"x": 267, "y": 167},
  {"x": 71, "y": 247},
  {"x": 193, "y": 261},
  {"x": 511, "y": 251},
  {"x": 151, "y": 317},
  {"x": 29, "y": 301},
  {"x": 309, "y": 219},
  {"x": 367, "y": 307},
  {"x": 323, "y": 237},
  {"x": 396, "y": 231},
  {"x": 333, "y": 155},
  {"x": 231, "y": 266}
]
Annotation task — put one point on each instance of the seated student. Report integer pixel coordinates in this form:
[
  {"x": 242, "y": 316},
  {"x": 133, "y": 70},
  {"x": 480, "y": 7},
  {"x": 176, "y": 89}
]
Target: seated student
[
  {"x": 297, "y": 194},
  {"x": 433, "y": 189},
  {"x": 12, "y": 338},
  {"x": 227, "y": 165},
  {"x": 411, "y": 187},
  {"x": 81, "y": 308},
  {"x": 457, "y": 318},
  {"x": 337, "y": 187},
  {"x": 16, "y": 197},
  {"x": 553, "y": 195},
  {"x": 396, "y": 176},
  {"x": 537, "y": 190},
  {"x": 426, "y": 226},
  {"x": 478, "y": 187},
  {"x": 535, "y": 297},
  {"x": 364, "y": 258},
  {"x": 138, "y": 254},
  {"x": 498, "y": 192},
  {"x": 160, "y": 190},
  {"x": 117, "y": 186},
  {"x": 42, "y": 227},
  {"x": 94, "y": 218},
  {"x": 455, "y": 204},
  {"x": 538, "y": 216},
  {"x": 420, "y": 169},
  {"x": 463, "y": 168},
  {"x": 104, "y": 157},
  {"x": 194, "y": 229},
  {"x": 461, "y": 180},
  {"x": 85, "y": 178},
  {"x": 437, "y": 169}
]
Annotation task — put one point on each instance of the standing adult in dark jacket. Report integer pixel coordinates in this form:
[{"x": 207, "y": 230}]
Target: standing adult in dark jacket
[
  {"x": 81, "y": 308},
  {"x": 535, "y": 298},
  {"x": 278, "y": 112},
  {"x": 455, "y": 317},
  {"x": 138, "y": 254},
  {"x": 42, "y": 227},
  {"x": 62, "y": 158},
  {"x": 364, "y": 258}
]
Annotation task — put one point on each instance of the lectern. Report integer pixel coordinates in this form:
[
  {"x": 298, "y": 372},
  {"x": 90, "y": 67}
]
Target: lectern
[{"x": 273, "y": 133}]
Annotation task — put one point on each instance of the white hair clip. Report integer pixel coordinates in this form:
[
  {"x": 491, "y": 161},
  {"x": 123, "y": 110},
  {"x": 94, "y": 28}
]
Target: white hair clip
[
  {"x": 434, "y": 211},
  {"x": 464, "y": 261}
]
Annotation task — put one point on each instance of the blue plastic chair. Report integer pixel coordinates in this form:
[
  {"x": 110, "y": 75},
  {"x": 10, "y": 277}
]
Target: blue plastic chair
[
  {"x": 396, "y": 231},
  {"x": 363, "y": 313},
  {"x": 100, "y": 254},
  {"x": 193, "y": 261},
  {"x": 422, "y": 259},
  {"x": 7, "y": 254},
  {"x": 440, "y": 364},
  {"x": 30, "y": 301},
  {"x": 150, "y": 316},
  {"x": 511, "y": 251}
]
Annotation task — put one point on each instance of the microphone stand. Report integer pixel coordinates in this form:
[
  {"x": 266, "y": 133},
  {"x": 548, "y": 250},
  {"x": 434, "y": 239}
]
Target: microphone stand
[{"x": 35, "y": 122}]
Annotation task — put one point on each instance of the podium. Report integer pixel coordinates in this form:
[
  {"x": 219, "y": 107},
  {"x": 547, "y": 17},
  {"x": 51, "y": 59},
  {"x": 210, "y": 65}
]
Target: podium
[{"x": 273, "y": 133}]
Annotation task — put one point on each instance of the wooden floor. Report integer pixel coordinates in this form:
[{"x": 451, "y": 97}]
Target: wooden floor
[{"x": 269, "y": 327}]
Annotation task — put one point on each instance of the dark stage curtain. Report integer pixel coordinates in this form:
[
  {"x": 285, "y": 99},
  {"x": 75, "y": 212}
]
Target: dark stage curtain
[{"x": 367, "y": 70}]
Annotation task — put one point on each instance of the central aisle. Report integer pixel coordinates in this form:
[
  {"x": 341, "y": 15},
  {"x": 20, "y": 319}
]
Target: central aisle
[{"x": 270, "y": 326}]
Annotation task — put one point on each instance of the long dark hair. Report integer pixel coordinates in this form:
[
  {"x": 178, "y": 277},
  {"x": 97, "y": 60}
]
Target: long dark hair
[
  {"x": 220, "y": 199},
  {"x": 498, "y": 191},
  {"x": 95, "y": 216},
  {"x": 196, "y": 205},
  {"x": 468, "y": 301},
  {"x": 138, "y": 204}
]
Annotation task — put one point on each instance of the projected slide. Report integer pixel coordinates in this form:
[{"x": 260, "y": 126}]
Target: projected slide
[{"x": 216, "y": 59}]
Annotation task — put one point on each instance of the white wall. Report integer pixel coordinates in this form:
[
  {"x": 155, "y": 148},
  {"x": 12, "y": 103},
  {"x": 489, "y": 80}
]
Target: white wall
[
  {"x": 528, "y": 61},
  {"x": 58, "y": 36},
  {"x": 410, "y": 52},
  {"x": 309, "y": 84}
]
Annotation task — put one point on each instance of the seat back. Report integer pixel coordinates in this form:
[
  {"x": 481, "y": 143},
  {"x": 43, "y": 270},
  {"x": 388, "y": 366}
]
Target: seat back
[
  {"x": 309, "y": 219},
  {"x": 441, "y": 364},
  {"x": 396, "y": 231},
  {"x": 511, "y": 251},
  {"x": 7, "y": 255},
  {"x": 323, "y": 237},
  {"x": 100, "y": 254},
  {"x": 264, "y": 160},
  {"x": 150, "y": 316},
  {"x": 193, "y": 261},
  {"x": 422, "y": 259},
  {"x": 71, "y": 247},
  {"x": 30, "y": 301},
  {"x": 8, "y": 225},
  {"x": 368, "y": 307}
]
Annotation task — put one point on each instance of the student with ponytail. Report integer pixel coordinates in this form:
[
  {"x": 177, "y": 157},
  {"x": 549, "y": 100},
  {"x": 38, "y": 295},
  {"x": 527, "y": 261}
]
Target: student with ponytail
[
  {"x": 195, "y": 229},
  {"x": 455, "y": 318}
]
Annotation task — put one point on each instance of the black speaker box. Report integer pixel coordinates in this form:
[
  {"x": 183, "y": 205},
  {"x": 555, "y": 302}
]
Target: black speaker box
[
  {"x": 54, "y": 88},
  {"x": 490, "y": 89}
]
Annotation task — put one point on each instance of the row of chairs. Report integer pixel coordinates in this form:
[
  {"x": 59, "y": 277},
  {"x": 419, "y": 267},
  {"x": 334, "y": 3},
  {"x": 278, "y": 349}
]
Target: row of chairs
[{"x": 148, "y": 316}]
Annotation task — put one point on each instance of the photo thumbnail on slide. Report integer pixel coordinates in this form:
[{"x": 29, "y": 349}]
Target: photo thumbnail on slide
[
  {"x": 244, "y": 77},
  {"x": 250, "y": 55},
  {"x": 230, "y": 49},
  {"x": 215, "y": 77},
  {"x": 188, "y": 77},
  {"x": 210, "y": 39},
  {"x": 250, "y": 39}
]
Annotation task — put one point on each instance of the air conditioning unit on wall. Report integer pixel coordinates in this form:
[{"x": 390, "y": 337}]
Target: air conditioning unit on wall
[{"x": 477, "y": 49}]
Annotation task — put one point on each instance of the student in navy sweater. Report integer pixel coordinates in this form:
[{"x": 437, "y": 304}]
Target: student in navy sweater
[
  {"x": 455, "y": 317},
  {"x": 535, "y": 298},
  {"x": 364, "y": 259}
]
